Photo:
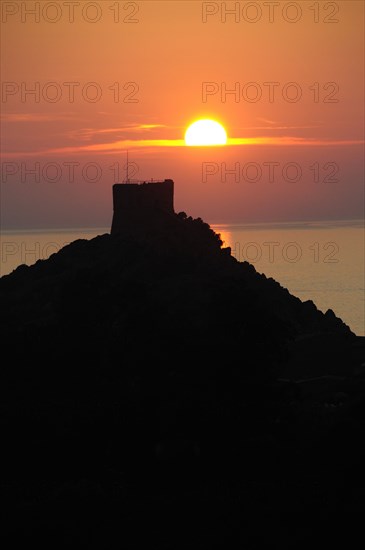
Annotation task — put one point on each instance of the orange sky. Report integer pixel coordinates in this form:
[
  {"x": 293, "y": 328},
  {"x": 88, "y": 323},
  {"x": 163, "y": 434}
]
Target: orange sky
[{"x": 149, "y": 70}]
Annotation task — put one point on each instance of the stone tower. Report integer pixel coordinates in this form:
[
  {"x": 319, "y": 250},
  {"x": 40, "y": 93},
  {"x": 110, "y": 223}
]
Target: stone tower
[{"x": 142, "y": 207}]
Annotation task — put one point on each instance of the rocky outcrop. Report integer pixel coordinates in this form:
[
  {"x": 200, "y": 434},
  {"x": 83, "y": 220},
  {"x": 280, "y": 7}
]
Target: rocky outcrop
[{"x": 142, "y": 388}]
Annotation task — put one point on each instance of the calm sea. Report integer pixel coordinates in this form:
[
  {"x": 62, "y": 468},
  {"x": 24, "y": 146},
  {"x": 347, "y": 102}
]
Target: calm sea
[{"x": 319, "y": 261}]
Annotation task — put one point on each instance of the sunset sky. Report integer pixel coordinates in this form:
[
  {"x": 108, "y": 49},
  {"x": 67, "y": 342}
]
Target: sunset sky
[{"x": 110, "y": 76}]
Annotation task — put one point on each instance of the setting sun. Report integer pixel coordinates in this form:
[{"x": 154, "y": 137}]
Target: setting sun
[{"x": 205, "y": 132}]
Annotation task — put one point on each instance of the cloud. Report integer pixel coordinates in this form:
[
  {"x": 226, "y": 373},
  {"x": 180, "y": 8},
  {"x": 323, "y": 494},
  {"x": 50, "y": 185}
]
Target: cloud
[
  {"x": 266, "y": 120},
  {"x": 119, "y": 145},
  {"x": 32, "y": 117},
  {"x": 291, "y": 141},
  {"x": 87, "y": 134},
  {"x": 274, "y": 128}
]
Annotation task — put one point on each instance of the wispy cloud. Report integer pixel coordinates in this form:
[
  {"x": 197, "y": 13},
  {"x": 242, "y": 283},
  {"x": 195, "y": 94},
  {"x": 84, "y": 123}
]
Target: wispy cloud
[
  {"x": 266, "y": 120},
  {"x": 273, "y": 125},
  {"x": 87, "y": 134},
  {"x": 32, "y": 117},
  {"x": 112, "y": 147},
  {"x": 277, "y": 128},
  {"x": 291, "y": 141}
]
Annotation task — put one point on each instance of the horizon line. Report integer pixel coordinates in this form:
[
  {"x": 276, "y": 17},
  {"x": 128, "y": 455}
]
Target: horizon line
[{"x": 87, "y": 229}]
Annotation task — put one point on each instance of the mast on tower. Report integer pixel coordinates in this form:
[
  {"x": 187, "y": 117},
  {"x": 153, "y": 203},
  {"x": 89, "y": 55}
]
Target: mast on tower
[{"x": 127, "y": 173}]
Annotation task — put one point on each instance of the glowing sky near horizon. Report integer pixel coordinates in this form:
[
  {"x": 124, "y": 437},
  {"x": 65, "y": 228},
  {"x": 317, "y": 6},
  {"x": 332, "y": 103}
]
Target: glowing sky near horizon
[{"x": 77, "y": 94}]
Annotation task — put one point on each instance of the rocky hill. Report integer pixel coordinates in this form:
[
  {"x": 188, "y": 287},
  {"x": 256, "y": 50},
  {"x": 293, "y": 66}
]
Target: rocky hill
[{"x": 144, "y": 385}]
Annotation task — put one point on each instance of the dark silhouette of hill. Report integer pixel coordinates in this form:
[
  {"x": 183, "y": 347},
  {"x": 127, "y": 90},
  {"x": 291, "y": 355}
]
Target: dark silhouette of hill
[{"x": 153, "y": 397}]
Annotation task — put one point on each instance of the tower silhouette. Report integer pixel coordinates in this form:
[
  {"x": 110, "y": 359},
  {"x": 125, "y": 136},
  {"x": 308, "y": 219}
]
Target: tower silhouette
[{"x": 141, "y": 206}]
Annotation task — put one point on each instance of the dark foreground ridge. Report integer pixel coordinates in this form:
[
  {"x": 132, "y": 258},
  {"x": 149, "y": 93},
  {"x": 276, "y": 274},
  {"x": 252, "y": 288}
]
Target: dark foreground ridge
[{"x": 160, "y": 394}]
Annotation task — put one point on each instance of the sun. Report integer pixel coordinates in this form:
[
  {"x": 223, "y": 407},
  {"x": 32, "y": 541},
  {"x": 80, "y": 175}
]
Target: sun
[{"x": 205, "y": 132}]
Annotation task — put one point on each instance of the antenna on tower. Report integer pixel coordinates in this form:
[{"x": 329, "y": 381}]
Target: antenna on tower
[{"x": 127, "y": 174}]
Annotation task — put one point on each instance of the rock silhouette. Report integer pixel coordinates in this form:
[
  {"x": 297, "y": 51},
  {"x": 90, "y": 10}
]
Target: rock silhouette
[{"x": 160, "y": 393}]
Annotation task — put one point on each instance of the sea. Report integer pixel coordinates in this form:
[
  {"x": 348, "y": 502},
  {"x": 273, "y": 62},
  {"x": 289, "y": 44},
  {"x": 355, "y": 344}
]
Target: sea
[{"x": 319, "y": 261}]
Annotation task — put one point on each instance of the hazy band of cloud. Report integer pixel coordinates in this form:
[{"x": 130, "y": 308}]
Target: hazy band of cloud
[{"x": 111, "y": 147}]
